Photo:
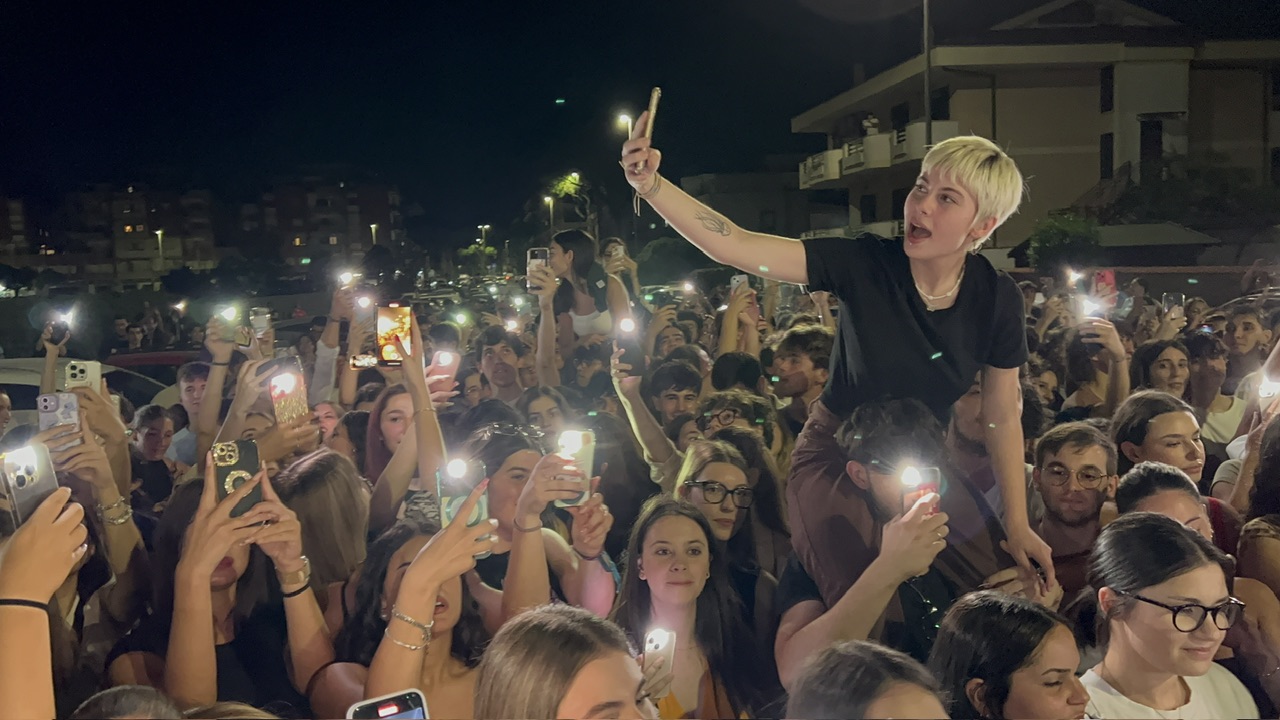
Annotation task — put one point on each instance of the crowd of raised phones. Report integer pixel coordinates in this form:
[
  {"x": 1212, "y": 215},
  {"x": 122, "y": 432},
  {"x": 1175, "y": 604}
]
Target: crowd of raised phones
[{"x": 578, "y": 506}]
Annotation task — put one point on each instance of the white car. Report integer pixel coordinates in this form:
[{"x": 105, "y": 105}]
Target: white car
[{"x": 20, "y": 379}]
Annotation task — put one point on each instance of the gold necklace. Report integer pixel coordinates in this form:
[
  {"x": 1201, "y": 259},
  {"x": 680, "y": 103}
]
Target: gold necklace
[{"x": 930, "y": 299}]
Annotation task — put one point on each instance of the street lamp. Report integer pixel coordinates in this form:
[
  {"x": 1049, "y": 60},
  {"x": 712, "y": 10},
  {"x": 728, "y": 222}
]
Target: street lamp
[
  {"x": 551, "y": 211},
  {"x": 484, "y": 231},
  {"x": 160, "y": 243},
  {"x": 626, "y": 121},
  {"x": 373, "y": 229},
  {"x": 574, "y": 176}
]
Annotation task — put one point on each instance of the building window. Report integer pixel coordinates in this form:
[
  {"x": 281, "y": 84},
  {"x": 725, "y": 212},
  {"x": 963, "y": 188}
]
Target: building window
[
  {"x": 899, "y": 203},
  {"x": 333, "y": 239},
  {"x": 1107, "y": 156},
  {"x": 867, "y": 208},
  {"x": 128, "y": 228},
  {"x": 1107, "y": 88},
  {"x": 900, "y": 115},
  {"x": 141, "y": 228},
  {"x": 940, "y": 103},
  {"x": 297, "y": 242}
]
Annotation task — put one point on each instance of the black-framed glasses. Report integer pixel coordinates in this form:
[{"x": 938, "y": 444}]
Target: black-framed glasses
[
  {"x": 724, "y": 417},
  {"x": 1188, "y": 617},
  {"x": 1090, "y": 478},
  {"x": 714, "y": 492}
]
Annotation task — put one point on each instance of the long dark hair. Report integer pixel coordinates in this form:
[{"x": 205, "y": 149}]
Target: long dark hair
[
  {"x": 721, "y": 632},
  {"x": 987, "y": 636},
  {"x": 1264, "y": 498},
  {"x": 1133, "y": 419},
  {"x": 357, "y": 424},
  {"x": 1146, "y": 355},
  {"x": 587, "y": 272},
  {"x": 358, "y": 640},
  {"x": 376, "y": 454}
]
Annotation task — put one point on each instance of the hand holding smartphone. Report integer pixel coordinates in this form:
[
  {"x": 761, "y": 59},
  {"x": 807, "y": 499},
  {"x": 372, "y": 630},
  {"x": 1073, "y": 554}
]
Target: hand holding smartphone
[
  {"x": 27, "y": 478},
  {"x": 580, "y": 446},
  {"x": 394, "y": 320},
  {"x": 536, "y": 257},
  {"x": 235, "y": 463},
  {"x": 454, "y": 484},
  {"x": 918, "y": 482},
  {"x": 660, "y": 644}
]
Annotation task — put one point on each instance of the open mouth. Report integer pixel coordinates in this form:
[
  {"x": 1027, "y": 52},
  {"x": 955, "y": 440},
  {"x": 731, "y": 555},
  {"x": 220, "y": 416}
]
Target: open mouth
[{"x": 916, "y": 233}]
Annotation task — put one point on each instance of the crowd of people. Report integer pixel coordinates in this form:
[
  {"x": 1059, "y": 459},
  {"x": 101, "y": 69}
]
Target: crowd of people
[{"x": 915, "y": 489}]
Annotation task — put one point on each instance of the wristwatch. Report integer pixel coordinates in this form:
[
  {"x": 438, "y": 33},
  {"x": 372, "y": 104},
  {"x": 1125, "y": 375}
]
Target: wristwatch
[{"x": 297, "y": 577}]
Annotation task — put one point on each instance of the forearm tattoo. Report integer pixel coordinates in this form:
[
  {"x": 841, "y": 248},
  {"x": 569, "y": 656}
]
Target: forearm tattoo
[{"x": 713, "y": 222}]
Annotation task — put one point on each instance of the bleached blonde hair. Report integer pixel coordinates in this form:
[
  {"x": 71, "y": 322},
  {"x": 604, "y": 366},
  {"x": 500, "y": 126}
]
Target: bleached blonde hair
[{"x": 982, "y": 168}]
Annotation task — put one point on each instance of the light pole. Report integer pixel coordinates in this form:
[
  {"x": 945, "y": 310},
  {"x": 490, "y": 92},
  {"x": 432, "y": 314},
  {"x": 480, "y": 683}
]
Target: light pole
[
  {"x": 551, "y": 213},
  {"x": 373, "y": 230},
  {"x": 484, "y": 232},
  {"x": 160, "y": 244},
  {"x": 626, "y": 121}
]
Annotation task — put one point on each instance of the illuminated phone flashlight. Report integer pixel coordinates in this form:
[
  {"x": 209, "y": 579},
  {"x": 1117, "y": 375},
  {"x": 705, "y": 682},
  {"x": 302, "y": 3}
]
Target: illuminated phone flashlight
[
  {"x": 722, "y": 308},
  {"x": 180, "y": 305},
  {"x": 570, "y": 442},
  {"x": 1268, "y": 388},
  {"x": 444, "y": 357},
  {"x": 229, "y": 314},
  {"x": 284, "y": 383},
  {"x": 67, "y": 316},
  {"x": 460, "y": 318},
  {"x": 1073, "y": 277},
  {"x": 911, "y": 477},
  {"x": 627, "y": 325},
  {"x": 24, "y": 456},
  {"x": 364, "y": 302},
  {"x": 512, "y": 325},
  {"x": 1089, "y": 306},
  {"x": 656, "y": 640},
  {"x": 517, "y": 301},
  {"x": 456, "y": 469},
  {"x": 493, "y": 289},
  {"x": 688, "y": 287},
  {"x": 346, "y": 277}
]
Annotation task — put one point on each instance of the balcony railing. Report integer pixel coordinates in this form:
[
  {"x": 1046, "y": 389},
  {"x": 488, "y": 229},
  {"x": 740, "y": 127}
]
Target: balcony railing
[
  {"x": 872, "y": 151},
  {"x": 888, "y": 228},
  {"x": 909, "y": 142},
  {"x": 820, "y": 168}
]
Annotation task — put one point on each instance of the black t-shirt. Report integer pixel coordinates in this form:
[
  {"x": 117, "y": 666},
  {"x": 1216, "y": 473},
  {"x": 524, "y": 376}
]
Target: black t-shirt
[
  {"x": 889, "y": 346},
  {"x": 795, "y": 586}
]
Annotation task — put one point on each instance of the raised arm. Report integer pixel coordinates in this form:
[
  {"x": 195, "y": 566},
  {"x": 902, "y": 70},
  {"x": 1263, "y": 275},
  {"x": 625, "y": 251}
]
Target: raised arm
[
  {"x": 769, "y": 256},
  {"x": 546, "y": 352}
]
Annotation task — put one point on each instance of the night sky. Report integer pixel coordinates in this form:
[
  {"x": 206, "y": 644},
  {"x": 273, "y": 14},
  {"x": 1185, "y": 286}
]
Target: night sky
[{"x": 455, "y": 102}]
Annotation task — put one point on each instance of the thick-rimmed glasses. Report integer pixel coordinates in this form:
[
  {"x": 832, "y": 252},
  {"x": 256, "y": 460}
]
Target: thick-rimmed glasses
[
  {"x": 1188, "y": 617},
  {"x": 714, "y": 493},
  {"x": 724, "y": 417},
  {"x": 1090, "y": 478}
]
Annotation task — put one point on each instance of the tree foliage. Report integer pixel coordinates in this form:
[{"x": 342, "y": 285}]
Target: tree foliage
[
  {"x": 1061, "y": 240},
  {"x": 1194, "y": 191}
]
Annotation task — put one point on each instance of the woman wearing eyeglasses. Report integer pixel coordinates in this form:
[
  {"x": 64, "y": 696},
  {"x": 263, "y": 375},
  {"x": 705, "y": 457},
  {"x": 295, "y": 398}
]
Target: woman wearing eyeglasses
[{"x": 1162, "y": 590}]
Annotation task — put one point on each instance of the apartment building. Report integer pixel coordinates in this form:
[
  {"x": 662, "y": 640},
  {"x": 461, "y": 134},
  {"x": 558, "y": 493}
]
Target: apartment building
[{"x": 1082, "y": 93}]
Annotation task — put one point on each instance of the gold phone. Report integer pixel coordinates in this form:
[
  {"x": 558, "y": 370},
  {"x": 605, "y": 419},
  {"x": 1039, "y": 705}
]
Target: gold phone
[{"x": 654, "y": 96}]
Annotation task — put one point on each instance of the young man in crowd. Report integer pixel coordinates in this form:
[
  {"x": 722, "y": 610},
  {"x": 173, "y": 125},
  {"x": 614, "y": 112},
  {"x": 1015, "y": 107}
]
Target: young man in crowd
[
  {"x": 673, "y": 390},
  {"x": 1246, "y": 339},
  {"x": 118, "y": 340},
  {"x": 801, "y": 360},
  {"x": 498, "y": 352},
  {"x": 192, "y": 379},
  {"x": 1075, "y": 473}
]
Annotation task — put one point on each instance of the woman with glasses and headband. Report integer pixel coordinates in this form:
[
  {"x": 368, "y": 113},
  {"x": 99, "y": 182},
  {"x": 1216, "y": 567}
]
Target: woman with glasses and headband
[
  {"x": 1247, "y": 650},
  {"x": 1166, "y": 608},
  {"x": 523, "y": 482}
]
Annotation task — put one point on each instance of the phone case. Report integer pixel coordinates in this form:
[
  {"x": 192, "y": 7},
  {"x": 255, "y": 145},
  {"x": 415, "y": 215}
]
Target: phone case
[
  {"x": 288, "y": 390},
  {"x": 83, "y": 373},
  {"x": 453, "y": 492},
  {"x": 393, "y": 320},
  {"x": 260, "y": 319},
  {"x": 537, "y": 258},
  {"x": 583, "y": 459},
  {"x": 660, "y": 644},
  {"x": 27, "y": 478},
  {"x": 235, "y": 463},
  {"x": 59, "y": 409},
  {"x": 361, "y": 362},
  {"x": 930, "y": 482},
  {"x": 406, "y": 705}
]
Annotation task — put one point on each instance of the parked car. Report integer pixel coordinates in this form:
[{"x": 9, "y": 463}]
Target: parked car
[{"x": 20, "y": 378}]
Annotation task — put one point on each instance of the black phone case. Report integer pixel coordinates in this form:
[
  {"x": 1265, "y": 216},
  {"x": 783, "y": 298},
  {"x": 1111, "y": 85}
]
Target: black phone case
[{"x": 235, "y": 463}]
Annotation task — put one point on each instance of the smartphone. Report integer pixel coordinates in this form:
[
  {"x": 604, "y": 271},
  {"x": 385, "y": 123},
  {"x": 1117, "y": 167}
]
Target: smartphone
[
  {"x": 1268, "y": 389},
  {"x": 59, "y": 409},
  {"x": 580, "y": 446},
  {"x": 1104, "y": 283},
  {"x": 235, "y": 463},
  {"x": 454, "y": 484},
  {"x": 654, "y": 96},
  {"x": 407, "y": 704},
  {"x": 364, "y": 308},
  {"x": 1087, "y": 306},
  {"x": 244, "y": 336},
  {"x": 1172, "y": 301},
  {"x": 617, "y": 251},
  {"x": 537, "y": 257},
  {"x": 361, "y": 362},
  {"x": 628, "y": 341},
  {"x": 230, "y": 315},
  {"x": 289, "y": 392},
  {"x": 918, "y": 482},
  {"x": 393, "y": 319},
  {"x": 660, "y": 644},
  {"x": 446, "y": 363},
  {"x": 83, "y": 373},
  {"x": 260, "y": 319},
  {"x": 736, "y": 281},
  {"x": 26, "y": 480}
]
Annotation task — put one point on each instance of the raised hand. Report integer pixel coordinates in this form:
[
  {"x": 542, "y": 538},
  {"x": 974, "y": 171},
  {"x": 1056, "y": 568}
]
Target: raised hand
[
  {"x": 38, "y": 558},
  {"x": 280, "y": 537},
  {"x": 640, "y": 160},
  {"x": 450, "y": 553},
  {"x": 216, "y": 340},
  {"x": 87, "y": 461},
  {"x": 213, "y": 532},
  {"x": 102, "y": 417},
  {"x": 592, "y": 522},
  {"x": 545, "y": 282},
  {"x": 910, "y": 542},
  {"x": 545, "y": 486},
  {"x": 621, "y": 374}
]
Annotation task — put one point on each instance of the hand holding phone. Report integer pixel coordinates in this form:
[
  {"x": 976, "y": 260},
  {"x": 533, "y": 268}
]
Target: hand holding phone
[
  {"x": 536, "y": 257},
  {"x": 659, "y": 657},
  {"x": 455, "y": 483},
  {"x": 59, "y": 410},
  {"x": 580, "y": 447},
  {"x": 628, "y": 350},
  {"x": 1173, "y": 302},
  {"x": 917, "y": 483},
  {"x": 236, "y": 463},
  {"x": 27, "y": 479},
  {"x": 394, "y": 321},
  {"x": 654, "y": 96}
]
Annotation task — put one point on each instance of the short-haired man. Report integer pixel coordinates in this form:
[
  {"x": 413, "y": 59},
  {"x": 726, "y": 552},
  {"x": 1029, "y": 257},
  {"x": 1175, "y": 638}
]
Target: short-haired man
[
  {"x": 498, "y": 352},
  {"x": 801, "y": 361},
  {"x": 192, "y": 379},
  {"x": 1075, "y": 473},
  {"x": 673, "y": 390}
]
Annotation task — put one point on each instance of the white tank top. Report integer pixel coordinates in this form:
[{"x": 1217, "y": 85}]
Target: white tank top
[{"x": 597, "y": 323}]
